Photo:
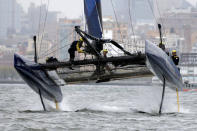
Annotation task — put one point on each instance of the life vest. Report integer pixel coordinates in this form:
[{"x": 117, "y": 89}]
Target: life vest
[{"x": 175, "y": 59}]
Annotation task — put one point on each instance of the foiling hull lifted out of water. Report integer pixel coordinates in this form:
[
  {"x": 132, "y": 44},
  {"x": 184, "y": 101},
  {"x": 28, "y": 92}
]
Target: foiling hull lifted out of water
[
  {"x": 38, "y": 79},
  {"x": 163, "y": 66},
  {"x": 100, "y": 69},
  {"x": 37, "y": 75}
]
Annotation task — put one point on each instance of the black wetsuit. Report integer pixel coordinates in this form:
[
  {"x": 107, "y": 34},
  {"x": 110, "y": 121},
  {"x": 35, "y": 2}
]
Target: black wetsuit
[
  {"x": 73, "y": 48},
  {"x": 175, "y": 59}
]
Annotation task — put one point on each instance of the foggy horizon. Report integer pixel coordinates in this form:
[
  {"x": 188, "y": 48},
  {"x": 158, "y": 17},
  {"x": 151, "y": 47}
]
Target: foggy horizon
[{"x": 66, "y": 7}]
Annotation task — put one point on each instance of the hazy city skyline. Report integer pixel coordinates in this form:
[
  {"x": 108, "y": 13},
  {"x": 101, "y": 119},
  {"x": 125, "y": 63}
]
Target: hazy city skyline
[
  {"x": 66, "y": 7},
  {"x": 56, "y": 33},
  {"x": 71, "y": 9}
]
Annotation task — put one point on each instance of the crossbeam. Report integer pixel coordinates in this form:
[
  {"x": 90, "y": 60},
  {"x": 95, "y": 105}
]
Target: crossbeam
[{"x": 121, "y": 60}]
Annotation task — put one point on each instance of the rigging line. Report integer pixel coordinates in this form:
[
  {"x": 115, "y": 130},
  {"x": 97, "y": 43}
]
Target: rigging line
[
  {"x": 160, "y": 17},
  {"x": 54, "y": 50},
  {"x": 114, "y": 49},
  {"x": 116, "y": 20},
  {"x": 60, "y": 42},
  {"x": 128, "y": 33},
  {"x": 44, "y": 25},
  {"x": 43, "y": 54},
  {"x": 69, "y": 34},
  {"x": 39, "y": 20},
  {"x": 130, "y": 17},
  {"x": 83, "y": 19},
  {"x": 152, "y": 11}
]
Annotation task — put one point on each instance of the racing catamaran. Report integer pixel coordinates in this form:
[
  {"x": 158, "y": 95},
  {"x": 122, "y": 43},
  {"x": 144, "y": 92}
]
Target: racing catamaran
[{"x": 44, "y": 78}]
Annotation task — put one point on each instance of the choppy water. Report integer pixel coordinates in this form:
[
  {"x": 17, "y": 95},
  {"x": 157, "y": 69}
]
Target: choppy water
[{"x": 97, "y": 107}]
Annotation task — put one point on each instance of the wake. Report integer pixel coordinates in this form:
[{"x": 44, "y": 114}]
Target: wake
[
  {"x": 146, "y": 101},
  {"x": 149, "y": 99}
]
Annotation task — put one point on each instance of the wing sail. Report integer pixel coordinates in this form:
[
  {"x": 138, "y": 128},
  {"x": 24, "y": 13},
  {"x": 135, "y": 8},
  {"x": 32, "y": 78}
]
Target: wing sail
[{"x": 93, "y": 14}]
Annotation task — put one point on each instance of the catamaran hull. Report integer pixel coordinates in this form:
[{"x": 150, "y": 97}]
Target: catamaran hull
[
  {"x": 163, "y": 66},
  {"x": 74, "y": 77},
  {"x": 37, "y": 79}
]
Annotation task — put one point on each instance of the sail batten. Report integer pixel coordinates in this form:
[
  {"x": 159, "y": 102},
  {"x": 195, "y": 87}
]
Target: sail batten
[{"x": 93, "y": 14}]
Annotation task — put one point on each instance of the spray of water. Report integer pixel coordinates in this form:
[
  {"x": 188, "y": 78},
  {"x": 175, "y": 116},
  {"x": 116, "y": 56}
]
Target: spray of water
[
  {"x": 107, "y": 108},
  {"x": 63, "y": 106},
  {"x": 149, "y": 100}
]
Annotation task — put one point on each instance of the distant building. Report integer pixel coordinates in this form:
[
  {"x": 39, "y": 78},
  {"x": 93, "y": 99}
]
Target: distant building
[
  {"x": 43, "y": 23},
  {"x": 35, "y": 20},
  {"x": 136, "y": 44},
  {"x": 188, "y": 64},
  {"x": 188, "y": 59},
  {"x": 10, "y": 18},
  {"x": 182, "y": 23},
  {"x": 6, "y": 55},
  {"x": 194, "y": 48},
  {"x": 112, "y": 30},
  {"x": 66, "y": 35},
  {"x": 172, "y": 40},
  {"x": 108, "y": 24}
]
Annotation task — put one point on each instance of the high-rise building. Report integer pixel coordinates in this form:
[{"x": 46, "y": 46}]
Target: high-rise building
[
  {"x": 10, "y": 18},
  {"x": 38, "y": 16}
]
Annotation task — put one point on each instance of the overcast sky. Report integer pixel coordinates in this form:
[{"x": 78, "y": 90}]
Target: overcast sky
[
  {"x": 69, "y": 8},
  {"x": 192, "y": 1}
]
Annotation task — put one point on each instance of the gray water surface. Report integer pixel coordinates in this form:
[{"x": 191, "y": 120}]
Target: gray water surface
[{"x": 97, "y": 107}]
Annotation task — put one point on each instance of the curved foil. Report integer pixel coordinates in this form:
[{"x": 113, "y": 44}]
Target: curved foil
[
  {"x": 162, "y": 66},
  {"x": 37, "y": 78}
]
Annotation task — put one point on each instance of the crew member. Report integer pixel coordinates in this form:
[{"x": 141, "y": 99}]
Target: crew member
[
  {"x": 75, "y": 46},
  {"x": 174, "y": 57},
  {"x": 105, "y": 51}
]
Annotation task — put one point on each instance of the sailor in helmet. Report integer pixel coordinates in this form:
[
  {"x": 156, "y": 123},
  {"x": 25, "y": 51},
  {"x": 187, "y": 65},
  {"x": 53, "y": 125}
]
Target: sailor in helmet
[
  {"x": 174, "y": 57},
  {"x": 75, "y": 46},
  {"x": 105, "y": 51}
]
